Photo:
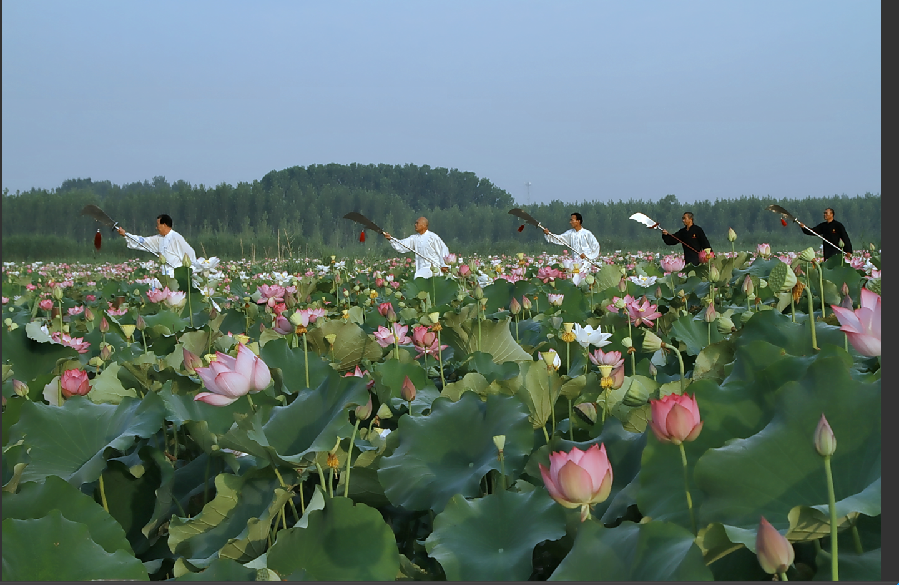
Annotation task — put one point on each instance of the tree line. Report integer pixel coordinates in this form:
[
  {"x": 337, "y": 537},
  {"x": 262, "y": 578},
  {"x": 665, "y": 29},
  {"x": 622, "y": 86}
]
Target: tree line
[{"x": 299, "y": 211}]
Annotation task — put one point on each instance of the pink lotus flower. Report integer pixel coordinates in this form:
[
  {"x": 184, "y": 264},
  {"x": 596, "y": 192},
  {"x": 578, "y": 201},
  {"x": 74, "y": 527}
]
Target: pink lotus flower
[
  {"x": 408, "y": 390},
  {"x": 862, "y": 326},
  {"x": 74, "y": 383},
  {"x": 764, "y": 250},
  {"x": 578, "y": 478},
  {"x": 464, "y": 270},
  {"x": 609, "y": 358},
  {"x": 642, "y": 313},
  {"x": 46, "y": 304},
  {"x": 675, "y": 418},
  {"x": 425, "y": 342},
  {"x": 547, "y": 274},
  {"x": 282, "y": 325},
  {"x": 228, "y": 378},
  {"x": 384, "y": 308},
  {"x": 76, "y": 310},
  {"x": 360, "y": 373},
  {"x": 77, "y": 343},
  {"x": 672, "y": 264},
  {"x": 388, "y": 335},
  {"x": 706, "y": 255},
  {"x": 773, "y": 549},
  {"x": 115, "y": 312},
  {"x": 274, "y": 292},
  {"x": 157, "y": 296},
  {"x": 555, "y": 299}
]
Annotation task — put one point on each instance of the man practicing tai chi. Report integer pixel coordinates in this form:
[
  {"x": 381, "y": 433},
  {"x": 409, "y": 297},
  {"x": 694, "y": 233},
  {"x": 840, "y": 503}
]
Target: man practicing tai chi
[
  {"x": 832, "y": 231},
  {"x": 580, "y": 239},
  {"x": 169, "y": 244},
  {"x": 691, "y": 237},
  {"x": 429, "y": 249}
]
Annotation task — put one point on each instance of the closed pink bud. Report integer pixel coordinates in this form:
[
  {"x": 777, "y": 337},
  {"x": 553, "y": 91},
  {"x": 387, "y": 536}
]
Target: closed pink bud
[
  {"x": 578, "y": 478},
  {"x": 20, "y": 388},
  {"x": 74, "y": 383},
  {"x": 408, "y": 390},
  {"x": 675, "y": 418},
  {"x": 88, "y": 314},
  {"x": 825, "y": 441},
  {"x": 104, "y": 325},
  {"x": 525, "y": 303},
  {"x": 774, "y": 551},
  {"x": 514, "y": 306},
  {"x": 191, "y": 361}
]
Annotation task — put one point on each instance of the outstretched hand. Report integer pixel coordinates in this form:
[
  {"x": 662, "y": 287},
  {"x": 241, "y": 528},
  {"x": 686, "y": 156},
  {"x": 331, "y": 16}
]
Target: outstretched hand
[
  {"x": 665, "y": 232},
  {"x": 546, "y": 231},
  {"x": 121, "y": 231},
  {"x": 388, "y": 236}
]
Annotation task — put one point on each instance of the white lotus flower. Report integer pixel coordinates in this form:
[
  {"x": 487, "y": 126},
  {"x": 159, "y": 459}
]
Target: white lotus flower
[
  {"x": 589, "y": 336},
  {"x": 644, "y": 281}
]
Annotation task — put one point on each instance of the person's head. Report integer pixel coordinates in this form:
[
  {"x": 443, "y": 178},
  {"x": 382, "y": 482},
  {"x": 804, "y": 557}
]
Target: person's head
[
  {"x": 576, "y": 220},
  {"x": 421, "y": 225},
  {"x": 163, "y": 223},
  {"x": 687, "y": 218},
  {"x": 828, "y": 214}
]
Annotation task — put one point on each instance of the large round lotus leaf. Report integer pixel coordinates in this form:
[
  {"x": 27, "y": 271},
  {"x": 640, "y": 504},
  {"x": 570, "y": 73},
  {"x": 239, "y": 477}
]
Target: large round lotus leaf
[
  {"x": 55, "y": 549},
  {"x": 493, "y": 538},
  {"x": 391, "y": 374},
  {"x": 292, "y": 363},
  {"x": 794, "y": 338},
  {"x": 34, "y": 501},
  {"x": 107, "y": 388},
  {"x": 694, "y": 333},
  {"x": 351, "y": 346},
  {"x": 81, "y": 432},
  {"x": 447, "y": 289},
  {"x": 655, "y": 551},
  {"x": 449, "y": 451},
  {"x": 852, "y": 566},
  {"x": 493, "y": 337},
  {"x": 222, "y": 570},
  {"x": 342, "y": 542},
  {"x": 29, "y": 358},
  {"x": 312, "y": 422},
  {"x": 131, "y": 500},
  {"x": 182, "y": 408},
  {"x": 777, "y": 469}
]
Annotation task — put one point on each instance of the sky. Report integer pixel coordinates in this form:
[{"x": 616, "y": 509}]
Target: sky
[{"x": 574, "y": 101}]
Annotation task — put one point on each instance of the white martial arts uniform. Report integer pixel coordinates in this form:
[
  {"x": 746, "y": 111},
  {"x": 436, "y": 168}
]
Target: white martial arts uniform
[
  {"x": 582, "y": 241},
  {"x": 428, "y": 245},
  {"x": 171, "y": 246}
]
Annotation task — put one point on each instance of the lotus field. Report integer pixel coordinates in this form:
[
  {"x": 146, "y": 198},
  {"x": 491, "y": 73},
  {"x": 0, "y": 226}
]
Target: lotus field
[{"x": 520, "y": 418}]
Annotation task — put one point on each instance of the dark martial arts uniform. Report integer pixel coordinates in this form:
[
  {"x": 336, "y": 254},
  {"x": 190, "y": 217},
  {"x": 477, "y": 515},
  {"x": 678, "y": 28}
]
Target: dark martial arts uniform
[
  {"x": 833, "y": 232},
  {"x": 695, "y": 237}
]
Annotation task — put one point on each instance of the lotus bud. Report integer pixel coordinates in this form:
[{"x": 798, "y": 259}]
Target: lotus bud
[
  {"x": 140, "y": 323},
  {"x": 590, "y": 280},
  {"x": 104, "y": 325},
  {"x": 384, "y": 412},
  {"x": 408, "y": 390},
  {"x": 57, "y": 292},
  {"x": 773, "y": 549},
  {"x": 391, "y": 315},
  {"x": 731, "y": 235},
  {"x": 808, "y": 254},
  {"x": 658, "y": 292},
  {"x": 191, "y": 361},
  {"x": 748, "y": 286},
  {"x": 871, "y": 246},
  {"x": 622, "y": 284},
  {"x": 714, "y": 274},
  {"x": 652, "y": 342},
  {"x": 653, "y": 371},
  {"x": 588, "y": 411},
  {"x": 840, "y": 243},
  {"x": 526, "y": 303},
  {"x": 514, "y": 306},
  {"x": 363, "y": 412},
  {"x": 710, "y": 315},
  {"x": 20, "y": 388},
  {"x": 128, "y": 330},
  {"x": 88, "y": 314},
  {"x": 825, "y": 441},
  {"x": 500, "y": 442},
  {"x": 844, "y": 290},
  {"x": 478, "y": 292},
  {"x": 106, "y": 351}
]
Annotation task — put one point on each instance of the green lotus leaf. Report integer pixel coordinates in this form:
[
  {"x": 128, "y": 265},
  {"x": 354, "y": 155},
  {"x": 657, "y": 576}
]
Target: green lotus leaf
[
  {"x": 539, "y": 390},
  {"x": 493, "y": 538},
  {"x": 695, "y": 333},
  {"x": 182, "y": 408},
  {"x": 343, "y": 542},
  {"x": 312, "y": 422},
  {"x": 713, "y": 360},
  {"x": 390, "y": 375},
  {"x": 852, "y": 566},
  {"x": 500, "y": 293},
  {"x": 495, "y": 338},
  {"x": 472, "y": 381},
  {"x": 35, "y": 500},
  {"x": 164, "y": 501},
  {"x": 81, "y": 432},
  {"x": 351, "y": 346},
  {"x": 633, "y": 552},
  {"x": 484, "y": 364},
  {"x": 607, "y": 277},
  {"x": 11, "y": 413},
  {"x": 254, "y": 541},
  {"x": 278, "y": 354},
  {"x": 222, "y": 570},
  {"x": 132, "y": 500},
  {"x": 760, "y": 267},
  {"x": 226, "y": 518},
  {"x": 794, "y": 338},
  {"x": 53, "y": 548},
  {"x": 838, "y": 275},
  {"x": 447, "y": 289},
  {"x": 424, "y": 472},
  {"x": 107, "y": 388},
  {"x": 167, "y": 322},
  {"x": 572, "y": 388},
  {"x": 28, "y": 357},
  {"x": 778, "y": 468}
]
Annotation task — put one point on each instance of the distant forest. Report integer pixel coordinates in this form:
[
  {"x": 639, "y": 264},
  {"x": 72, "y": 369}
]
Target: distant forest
[{"x": 300, "y": 210}]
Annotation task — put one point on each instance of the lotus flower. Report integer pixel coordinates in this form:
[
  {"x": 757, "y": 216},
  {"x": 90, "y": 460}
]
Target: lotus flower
[
  {"x": 408, "y": 390},
  {"x": 764, "y": 250},
  {"x": 78, "y": 343},
  {"x": 555, "y": 299},
  {"x": 862, "y": 326},
  {"x": 228, "y": 378},
  {"x": 706, "y": 255},
  {"x": 384, "y": 308},
  {"x": 731, "y": 235},
  {"x": 642, "y": 312},
  {"x": 46, "y": 304},
  {"x": 588, "y": 336},
  {"x": 675, "y": 418},
  {"x": 274, "y": 292},
  {"x": 176, "y": 299},
  {"x": 672, "y": 264},
  {"x": 283, "y": 325},
  {"x": 425, "y": 342},
  {"x": 74, "y": 383},
  {"x": 825, "y": 441},
  {"x": 578, "y": 478},
  {"x": 773, "y": 549}
]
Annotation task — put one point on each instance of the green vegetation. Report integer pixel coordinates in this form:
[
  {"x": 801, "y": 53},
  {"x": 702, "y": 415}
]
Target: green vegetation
[{"x": 299, "y": 211}]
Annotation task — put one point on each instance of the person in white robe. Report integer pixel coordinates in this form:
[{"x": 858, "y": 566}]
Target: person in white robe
[
  {"x": 579, "y": 238},
  {"x": 169, "y": 244},
  {"x": 427, "y": 246}
]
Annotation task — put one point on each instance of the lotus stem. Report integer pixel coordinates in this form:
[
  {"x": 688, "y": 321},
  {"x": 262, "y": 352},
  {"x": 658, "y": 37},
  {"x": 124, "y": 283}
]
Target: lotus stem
[
  {"x": 832, "y": 505},
  {"x": 545, "y": 434},
  {"x": 103, "y": 494},
  {"x": 190, "y": 305},
  {"x": 306, "y": 358},
  {"x": 710, "y": 333},
  {"x": 792, "y": 308},
  {"x": 783, "y": 576},
  {"x": 811, "y": 319},
  {"x": 440, "y": 362},
  {"x": 59, "y": 386},
  {"x": 205, "y": 482},
  {"x": 633, "y": 356},
  {"x": 252, "y": 406},
  {"x": 680, "y": 363},
  {"x": 570, "y": 421},
  {"x": 175, "y": 437},
  {"x": 683, "y": 458},
  {"x": 321, "y": 477},
  {"x": 856, "y": 539},
  {"x": 821, "y": 288},
  {"x": 349, "y": 457}
]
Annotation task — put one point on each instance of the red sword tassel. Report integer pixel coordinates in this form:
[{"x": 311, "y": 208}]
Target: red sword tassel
[
  {"x": 362, "y": 236},
  {"x": 521, "y": 228},
  {"x": 98, "y": 239}
]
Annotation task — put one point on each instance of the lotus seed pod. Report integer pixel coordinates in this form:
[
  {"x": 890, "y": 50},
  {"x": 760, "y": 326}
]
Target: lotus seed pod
[
  {"x": 384, "y": 412},
  {"x": 808, "y": 254},
  {"x": 500, "y": 442},
  {"x": 652, "y": 342}
]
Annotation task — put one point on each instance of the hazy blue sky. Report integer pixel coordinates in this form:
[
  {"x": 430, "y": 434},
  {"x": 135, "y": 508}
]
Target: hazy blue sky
[{"x": 586, "y": 100}]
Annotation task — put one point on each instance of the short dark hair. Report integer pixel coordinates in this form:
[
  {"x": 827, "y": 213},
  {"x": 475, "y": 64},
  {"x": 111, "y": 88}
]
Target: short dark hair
[
  {"x": 689, "y": 214},
  {"x": 830, "y": 209},
  {"x": 578, "y": 217},
  {"x": 165, "y": 219}
]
